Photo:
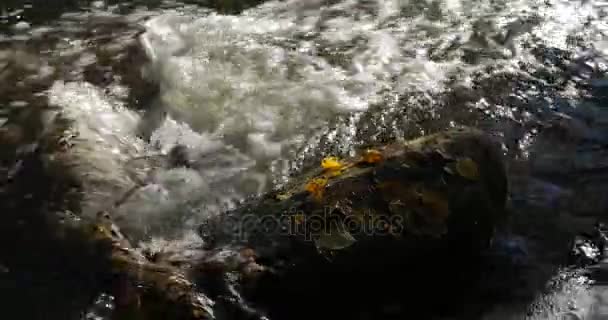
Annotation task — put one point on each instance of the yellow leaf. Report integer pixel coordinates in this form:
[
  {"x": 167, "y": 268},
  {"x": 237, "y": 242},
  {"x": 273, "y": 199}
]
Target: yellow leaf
[
  {"x": 316, "y": 187},
  {"x": 467, "y": 168},
  {"x": 372, "y": 156},
  {"x": 331, "y": 163}
]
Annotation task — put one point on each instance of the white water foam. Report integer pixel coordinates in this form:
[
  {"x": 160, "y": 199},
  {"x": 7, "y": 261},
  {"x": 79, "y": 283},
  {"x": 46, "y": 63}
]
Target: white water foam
[
  {"x": 263, "y": 80},
  {"x": 102, "y": 145}
]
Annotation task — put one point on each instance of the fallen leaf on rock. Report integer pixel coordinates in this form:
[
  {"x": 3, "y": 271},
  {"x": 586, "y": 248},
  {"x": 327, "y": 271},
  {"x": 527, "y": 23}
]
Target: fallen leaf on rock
[
  {"x": 372, "y": 156},
  {"x": 299, "y": 218},
  {"x": 335, "y": 239},
  {"x": 331, "y": 163},
  {"x": 467, "y": 168},
  {"x": 316, "y": 187}
]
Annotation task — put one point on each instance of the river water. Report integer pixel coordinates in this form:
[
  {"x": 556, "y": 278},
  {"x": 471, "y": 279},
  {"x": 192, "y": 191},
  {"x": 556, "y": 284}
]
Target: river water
[{"x": 259, "y": 90}]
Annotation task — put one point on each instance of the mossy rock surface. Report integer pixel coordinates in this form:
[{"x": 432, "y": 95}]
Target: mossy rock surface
[
  {"x": 434, "y": 204},
  {"x": 447, "y": 186}
]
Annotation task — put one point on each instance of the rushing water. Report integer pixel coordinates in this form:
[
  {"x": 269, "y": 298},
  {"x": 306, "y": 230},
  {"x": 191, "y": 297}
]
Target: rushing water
[{"x": 257, "y": 94}]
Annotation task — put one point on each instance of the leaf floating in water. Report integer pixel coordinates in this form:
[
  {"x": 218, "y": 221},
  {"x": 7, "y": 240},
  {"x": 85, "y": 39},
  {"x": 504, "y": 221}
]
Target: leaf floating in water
[
  {"x": 372, "y": 156},
  {"x": 335, "y": 240},
  {"x": 467, "y": 168},
  {"x": 316, "y": 187},
  {"x": 331, "y": 163},
  {"x": 333, "y": 167}
]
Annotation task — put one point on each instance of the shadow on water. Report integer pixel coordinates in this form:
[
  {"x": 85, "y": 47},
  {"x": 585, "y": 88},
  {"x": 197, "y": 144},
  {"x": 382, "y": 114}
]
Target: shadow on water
[{"x": 40, "y": 279}]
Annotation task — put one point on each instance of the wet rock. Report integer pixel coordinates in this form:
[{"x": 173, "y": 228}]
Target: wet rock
[
  {"x": 389, "y": 217},
  {"x": 586, "y": 201},
  {"x": 120, "y": 59}
]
